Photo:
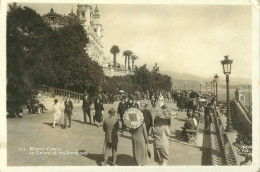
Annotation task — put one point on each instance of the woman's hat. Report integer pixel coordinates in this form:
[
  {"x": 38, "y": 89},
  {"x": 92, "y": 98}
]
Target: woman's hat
[
  {"x": 146, "y": 105},
  {"x": 133, "y": 118},
  {"x": 166, "y": 114},
  {"x": 112, "y": 111}
]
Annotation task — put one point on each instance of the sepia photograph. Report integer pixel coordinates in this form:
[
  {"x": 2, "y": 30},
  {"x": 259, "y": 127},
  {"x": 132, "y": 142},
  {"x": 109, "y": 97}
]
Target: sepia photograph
[{"x": 130, "y": 84}]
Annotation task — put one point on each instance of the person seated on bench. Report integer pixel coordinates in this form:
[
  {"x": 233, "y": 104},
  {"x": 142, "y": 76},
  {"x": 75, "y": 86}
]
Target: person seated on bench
[
  {"x": 41, "y": 105},
  {"x": 190, "y": 124}
]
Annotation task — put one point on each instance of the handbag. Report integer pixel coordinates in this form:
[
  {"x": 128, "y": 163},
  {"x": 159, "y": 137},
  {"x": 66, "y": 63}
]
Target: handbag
[{"x": 148, "y": 152}]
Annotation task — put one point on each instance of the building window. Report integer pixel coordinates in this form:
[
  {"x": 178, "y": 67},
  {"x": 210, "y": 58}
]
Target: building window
[
  {"x": 83, "y": 14},
  {"x": 52, "y": 21}
]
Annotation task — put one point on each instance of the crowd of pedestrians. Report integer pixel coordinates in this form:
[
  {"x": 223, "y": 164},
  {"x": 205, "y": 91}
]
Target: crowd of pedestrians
[{"x": 198, "y": 107}]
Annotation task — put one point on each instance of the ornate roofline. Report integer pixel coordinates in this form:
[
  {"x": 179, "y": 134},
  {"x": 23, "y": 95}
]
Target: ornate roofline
[{"x": 53, "y": 14}]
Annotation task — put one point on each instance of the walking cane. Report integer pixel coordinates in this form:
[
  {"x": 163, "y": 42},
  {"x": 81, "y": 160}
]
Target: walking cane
[{"x": 104, "y": 147}]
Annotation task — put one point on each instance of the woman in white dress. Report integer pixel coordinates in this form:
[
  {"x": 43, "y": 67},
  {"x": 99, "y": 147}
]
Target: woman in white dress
[
  {"x": 57, "y": 113},
  {"x": 161, "y": 100}
]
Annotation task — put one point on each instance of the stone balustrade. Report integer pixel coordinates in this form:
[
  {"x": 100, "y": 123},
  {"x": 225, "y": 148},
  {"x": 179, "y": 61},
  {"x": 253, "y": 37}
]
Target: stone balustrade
[
  {"x": 110, "y": 71},
  {"x": 61, "y": 92}
]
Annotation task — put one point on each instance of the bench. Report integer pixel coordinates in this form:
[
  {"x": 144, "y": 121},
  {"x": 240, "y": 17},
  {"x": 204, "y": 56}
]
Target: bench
[{"x": 192, "y": 133}]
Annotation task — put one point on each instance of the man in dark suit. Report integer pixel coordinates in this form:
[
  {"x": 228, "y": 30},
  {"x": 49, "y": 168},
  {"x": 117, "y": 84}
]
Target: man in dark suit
[
  {"x": 86, "y": 107},
  {"x": 148, "y": 119},
  {"x": 122, "y": 107},
  {"x": 110, "y": 127},
  {"x": 67, "y": 111}
]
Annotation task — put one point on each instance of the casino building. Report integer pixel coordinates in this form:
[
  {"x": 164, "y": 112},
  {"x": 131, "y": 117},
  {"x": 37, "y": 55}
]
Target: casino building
[{"x": 90, "y": 20}]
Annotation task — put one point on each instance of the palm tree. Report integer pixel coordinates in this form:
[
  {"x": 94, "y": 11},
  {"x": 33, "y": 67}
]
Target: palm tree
[
  {"x": 133, "y": 58},
  {"x": 125, "y": 54},
  {"x": 114, "y": 50},
  {"x": 13, "y": 7},
  {"x": 129, "y": 56}
]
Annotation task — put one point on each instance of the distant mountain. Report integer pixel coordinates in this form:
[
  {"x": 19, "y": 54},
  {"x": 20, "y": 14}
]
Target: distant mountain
[{"x": 181, "y": 79}]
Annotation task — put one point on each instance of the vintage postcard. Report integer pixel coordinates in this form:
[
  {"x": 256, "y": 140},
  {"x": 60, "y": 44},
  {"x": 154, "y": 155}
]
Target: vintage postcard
[{"x": 141, "y": 84}]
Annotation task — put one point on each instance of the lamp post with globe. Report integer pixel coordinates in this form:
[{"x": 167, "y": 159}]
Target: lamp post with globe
[
  {"x": 226, "y": 63},
  {"x": 216, "y": 77}
]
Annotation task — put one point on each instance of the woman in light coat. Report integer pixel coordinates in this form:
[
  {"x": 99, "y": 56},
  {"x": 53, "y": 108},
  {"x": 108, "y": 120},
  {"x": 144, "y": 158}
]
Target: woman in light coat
[{"x": 160, "y": 133}]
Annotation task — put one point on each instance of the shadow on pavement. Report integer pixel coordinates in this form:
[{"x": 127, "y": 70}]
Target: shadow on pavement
[
  {"x": 56, "y": 125},
  {"x": 95, "y": 157},
  {"x": 206, "y": 150},
  {"x": 75, "y": 120},
  {"x": 177, "y": 135},
  {"x": 122, "y": 160},
  {"x": 125, "y": 160},
  {"x": 48, "y": 123}
]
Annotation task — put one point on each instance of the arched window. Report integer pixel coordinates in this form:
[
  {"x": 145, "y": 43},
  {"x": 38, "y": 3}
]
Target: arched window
[{"x": 83, "y": 14}]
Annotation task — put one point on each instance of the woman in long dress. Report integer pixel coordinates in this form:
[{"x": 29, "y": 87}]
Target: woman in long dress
[
  {"x": 161, "y": 100},
  {"x": 57, "y": 113},
  {"x": 139, "y": 144},
  {"x": 98, "y": 105}
]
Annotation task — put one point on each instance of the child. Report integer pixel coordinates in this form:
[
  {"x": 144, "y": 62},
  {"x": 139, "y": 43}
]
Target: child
[{"x": 57, "y": 113}]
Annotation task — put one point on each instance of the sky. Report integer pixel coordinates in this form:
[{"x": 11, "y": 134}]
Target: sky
[{"x": 190, "y": 39}]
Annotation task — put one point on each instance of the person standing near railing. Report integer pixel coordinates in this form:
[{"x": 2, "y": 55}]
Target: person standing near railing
[
  {"x": 67, "y": 111},
  {"x": 86, "y": 107}
]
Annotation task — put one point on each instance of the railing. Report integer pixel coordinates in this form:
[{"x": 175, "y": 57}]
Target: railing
[
  {"x": 60, "y": 92},
  {"x": 246, "y": 111},
  {"x": 228, "y": 157},
  {"x": 242, "y": 122},
  {"x": 110, "y": 71}
]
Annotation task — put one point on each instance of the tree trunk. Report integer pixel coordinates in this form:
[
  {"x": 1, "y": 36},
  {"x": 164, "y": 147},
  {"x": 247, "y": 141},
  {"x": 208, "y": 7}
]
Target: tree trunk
[
  {"x": 128, "y": 62},
  {"x": 133, "y": 62},
  {"x": 114, "y": 60},
  {"x": 125, "y": 61}
]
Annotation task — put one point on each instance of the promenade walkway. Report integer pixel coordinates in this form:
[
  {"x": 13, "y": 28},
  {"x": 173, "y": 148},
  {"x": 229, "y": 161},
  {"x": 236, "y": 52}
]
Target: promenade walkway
[{"x": 32, "y": 142}]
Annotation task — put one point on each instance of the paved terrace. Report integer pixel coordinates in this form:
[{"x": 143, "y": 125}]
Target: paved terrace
[{"x": 82, "y": 144}]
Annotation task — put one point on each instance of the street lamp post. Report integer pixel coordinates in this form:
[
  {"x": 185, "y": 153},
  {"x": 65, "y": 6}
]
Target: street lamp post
[
  {"x": 216, "y": 77},
  {"x": 226, "y": 63}
]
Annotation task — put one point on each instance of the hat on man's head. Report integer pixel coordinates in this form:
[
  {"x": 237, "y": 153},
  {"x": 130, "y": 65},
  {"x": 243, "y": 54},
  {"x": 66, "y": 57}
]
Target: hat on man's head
[
  {"x": 164, "y": 107},
  {"x": 112, "y": 111},
  {"x": 124, "y": 97}
]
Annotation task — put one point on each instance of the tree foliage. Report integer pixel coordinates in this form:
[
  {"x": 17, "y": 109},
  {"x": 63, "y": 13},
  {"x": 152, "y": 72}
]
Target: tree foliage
[
  {"x": 142, "y": 80},
  {"x": 114, "y": 50},
  {"x": 73, "y": 67},
  {"x": 36, "y": 54},
  {"x": 28, "y": 59}
]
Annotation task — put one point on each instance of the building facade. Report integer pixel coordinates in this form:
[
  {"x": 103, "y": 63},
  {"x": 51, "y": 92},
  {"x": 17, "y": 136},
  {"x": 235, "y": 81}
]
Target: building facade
[
  {"x": 55, "y": 20},
  {"x": 90, "y": 20}
]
